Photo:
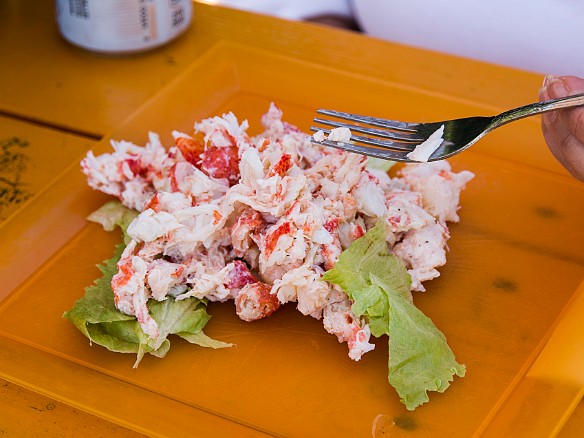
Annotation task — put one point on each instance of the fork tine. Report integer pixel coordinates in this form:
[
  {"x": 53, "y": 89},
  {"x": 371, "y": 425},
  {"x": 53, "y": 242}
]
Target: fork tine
[
  {"x": 384, "y": 154},
  {"x": 385, "y": 144},
  {"x": 383, "y": 133},
  {"x": 374, "y": 121}
]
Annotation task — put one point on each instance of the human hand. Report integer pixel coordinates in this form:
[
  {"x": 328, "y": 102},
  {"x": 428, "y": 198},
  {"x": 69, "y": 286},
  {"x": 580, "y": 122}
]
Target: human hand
[{"x": 564, "y": 130}]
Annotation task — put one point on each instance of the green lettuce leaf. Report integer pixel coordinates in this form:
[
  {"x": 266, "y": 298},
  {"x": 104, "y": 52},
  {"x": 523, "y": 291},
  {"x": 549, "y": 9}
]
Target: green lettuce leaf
[
  {"x": 379, "y": 164},
  {"x": 114, "y": 214},
  {"x": 97, "y": 317},
  {"x": 377, "y": 282}
]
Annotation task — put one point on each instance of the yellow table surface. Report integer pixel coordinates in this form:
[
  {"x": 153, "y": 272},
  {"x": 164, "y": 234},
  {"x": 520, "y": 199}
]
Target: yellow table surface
[{"x": 62, "y": 98}]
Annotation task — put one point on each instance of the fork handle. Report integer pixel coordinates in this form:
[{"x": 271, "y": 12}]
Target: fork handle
[{"x": 537, "y": 108}]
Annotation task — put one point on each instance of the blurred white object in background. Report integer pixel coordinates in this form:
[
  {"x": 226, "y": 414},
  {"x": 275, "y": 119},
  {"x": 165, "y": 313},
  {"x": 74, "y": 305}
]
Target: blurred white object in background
[
  {"x": 122, "y": 26},
  {"x": 290, "y": 9},
  {"x": 543, "y": 36}
]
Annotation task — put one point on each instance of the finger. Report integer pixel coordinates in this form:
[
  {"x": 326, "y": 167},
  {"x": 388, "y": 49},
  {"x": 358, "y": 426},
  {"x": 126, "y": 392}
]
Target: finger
[
  {"x": 574, "y": 84},
  {"x": 572, "y": 152},
  {"x": 572, "y": 119},
  {"x": 547, "y": 118},
  {"x": 564, "y": 130},
  {"x": 555, "y": 134},
  {"x": 565, "y": 147}
]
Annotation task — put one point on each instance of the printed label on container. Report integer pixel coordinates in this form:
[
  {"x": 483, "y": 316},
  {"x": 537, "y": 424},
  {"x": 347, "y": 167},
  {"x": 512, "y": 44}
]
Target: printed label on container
[{"x": 121, "y": 26}]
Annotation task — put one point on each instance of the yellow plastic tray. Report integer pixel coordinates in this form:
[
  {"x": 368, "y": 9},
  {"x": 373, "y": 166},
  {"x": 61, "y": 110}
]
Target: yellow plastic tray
[{"x": 508, "y": 300}]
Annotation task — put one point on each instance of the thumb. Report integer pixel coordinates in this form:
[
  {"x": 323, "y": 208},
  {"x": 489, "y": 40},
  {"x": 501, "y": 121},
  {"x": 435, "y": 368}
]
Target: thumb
[{"x": 557, "y": 87}]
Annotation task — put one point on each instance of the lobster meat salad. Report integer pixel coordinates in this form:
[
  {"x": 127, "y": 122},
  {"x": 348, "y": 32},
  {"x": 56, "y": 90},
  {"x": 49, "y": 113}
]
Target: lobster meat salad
[{"x": 266, "y": 220}]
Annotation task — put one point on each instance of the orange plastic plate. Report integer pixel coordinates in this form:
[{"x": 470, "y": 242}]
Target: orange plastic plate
[
  {"x": 26, "y": 166},
  {"x": 508, "y": 299}
]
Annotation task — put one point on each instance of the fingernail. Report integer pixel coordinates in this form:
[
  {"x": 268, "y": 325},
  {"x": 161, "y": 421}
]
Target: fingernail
[
  {"x": 543, "y": 92},
  {"x": 547, "y": 80},
  {"x": 555, "y": 87}
]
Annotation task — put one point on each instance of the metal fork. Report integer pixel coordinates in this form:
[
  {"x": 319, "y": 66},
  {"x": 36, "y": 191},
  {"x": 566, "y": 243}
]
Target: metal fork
[{"x": 395, "y": 140}]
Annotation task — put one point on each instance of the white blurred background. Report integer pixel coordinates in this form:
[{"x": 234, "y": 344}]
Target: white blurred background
[{"x": 542, "y": 36}]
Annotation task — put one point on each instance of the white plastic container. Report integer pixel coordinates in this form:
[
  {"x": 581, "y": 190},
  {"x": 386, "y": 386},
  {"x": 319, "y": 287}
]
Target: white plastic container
[
  {"x": 122, "y": 26},
  {"x": 542, "y": 36}
]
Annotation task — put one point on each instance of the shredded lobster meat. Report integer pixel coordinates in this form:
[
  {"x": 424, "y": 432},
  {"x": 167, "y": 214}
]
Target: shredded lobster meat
[{"x": 258, "y": 220}]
